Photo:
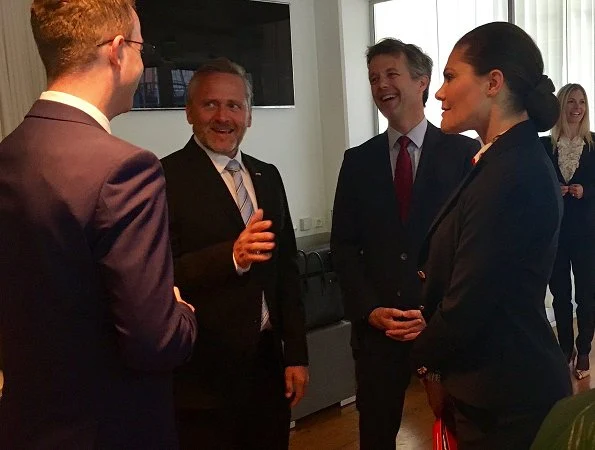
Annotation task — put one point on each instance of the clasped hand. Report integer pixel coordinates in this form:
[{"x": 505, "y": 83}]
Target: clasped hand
[
  {"x": 255, "y": 243},
  {"x": 576, "y": 190},
  {"x": 397, "y": 324}
]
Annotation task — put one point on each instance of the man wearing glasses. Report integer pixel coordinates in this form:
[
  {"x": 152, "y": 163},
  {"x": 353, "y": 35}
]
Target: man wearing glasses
[{"x": 89, "y": 322}]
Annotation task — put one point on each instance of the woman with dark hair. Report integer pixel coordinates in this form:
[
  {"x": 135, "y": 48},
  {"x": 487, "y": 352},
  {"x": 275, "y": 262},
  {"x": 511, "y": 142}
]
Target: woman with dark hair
[
  {"x": 488, "y": 256},
  {"x": 571, "y": 148}
]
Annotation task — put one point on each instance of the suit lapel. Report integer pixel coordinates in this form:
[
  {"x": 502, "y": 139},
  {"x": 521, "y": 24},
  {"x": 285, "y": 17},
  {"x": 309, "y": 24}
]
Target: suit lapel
[
  {"x": 381, "y": 169},
  {"x": 428, "y": 148},
  {"x": 211, "y": 179},
  {"x": 582, "y": 164},
  {"x": 423, "y": 172},
  {"x": 259, "y": 181},
  {"x": 260, "y": 177},
  {"x": 448, "y": 206}
]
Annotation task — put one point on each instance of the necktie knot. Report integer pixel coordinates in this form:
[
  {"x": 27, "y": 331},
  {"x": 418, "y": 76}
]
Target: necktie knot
[
  {"x": 233, "y": 166},
  {"x": 404, "y": 141}
]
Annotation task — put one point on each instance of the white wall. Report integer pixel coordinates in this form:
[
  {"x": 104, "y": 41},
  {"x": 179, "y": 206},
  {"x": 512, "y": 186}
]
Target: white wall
[
  {"x": 332, "y": 101},
  {"x": 332, "y": 111},
  {"x": 346, "y": 107},
  {"x": 355, "y": 37}
]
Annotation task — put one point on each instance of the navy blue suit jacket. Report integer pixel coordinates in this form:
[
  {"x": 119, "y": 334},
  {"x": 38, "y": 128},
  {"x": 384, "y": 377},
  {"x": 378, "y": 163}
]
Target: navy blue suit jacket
[
  {"x": 89, "y": 327},
  {"x": 487, "y": 260},
  {"x": 374, "y": 253}
]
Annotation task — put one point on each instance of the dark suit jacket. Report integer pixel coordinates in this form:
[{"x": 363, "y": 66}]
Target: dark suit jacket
[
  {"x": 487, "y": 260},
  {"x": 89, "y": 327},
  {"x": 205, "y": 222},
  {"x": 579, "y": 214},
  {"x": 375, "y": 255}
]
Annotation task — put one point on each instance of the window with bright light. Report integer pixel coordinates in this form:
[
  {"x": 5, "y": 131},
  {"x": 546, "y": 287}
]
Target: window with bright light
[
  {"x": 434, "y": 26},
  {"x": 564, "y": 30}
]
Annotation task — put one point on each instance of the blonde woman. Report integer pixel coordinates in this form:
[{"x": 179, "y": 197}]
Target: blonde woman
[{"x": 571, "y": 148}]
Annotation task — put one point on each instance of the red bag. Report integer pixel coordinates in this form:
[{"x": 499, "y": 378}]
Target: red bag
[{"x": 443, "y": 438}]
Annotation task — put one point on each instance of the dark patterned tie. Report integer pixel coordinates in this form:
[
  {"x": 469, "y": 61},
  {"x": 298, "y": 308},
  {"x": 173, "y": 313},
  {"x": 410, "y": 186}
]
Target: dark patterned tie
[{"x": 403, "y": 178}]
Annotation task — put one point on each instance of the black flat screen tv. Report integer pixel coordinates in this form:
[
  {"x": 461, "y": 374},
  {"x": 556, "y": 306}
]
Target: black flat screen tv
[{"x": 186, "y": 33}]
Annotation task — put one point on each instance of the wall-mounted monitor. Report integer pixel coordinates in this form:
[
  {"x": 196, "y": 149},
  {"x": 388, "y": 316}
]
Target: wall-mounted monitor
[{"x": 186, "y": 33}]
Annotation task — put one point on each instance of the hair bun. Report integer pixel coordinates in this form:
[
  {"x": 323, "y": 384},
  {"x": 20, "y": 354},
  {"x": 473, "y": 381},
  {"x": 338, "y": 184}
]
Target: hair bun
[
  {"x": 545, "y": 85},
  {"x": 542, "y": 105}
]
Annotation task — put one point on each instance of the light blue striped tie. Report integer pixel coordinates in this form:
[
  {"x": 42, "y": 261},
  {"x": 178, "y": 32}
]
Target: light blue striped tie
[
  {"x": 246, "y": 210},
  {"x": 243, "y": 199}
]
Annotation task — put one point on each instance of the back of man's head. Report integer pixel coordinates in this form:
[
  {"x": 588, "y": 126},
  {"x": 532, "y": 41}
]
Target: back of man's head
[
  {"x": 418, "y": 62},
  {"x": 67, "y": 33}
]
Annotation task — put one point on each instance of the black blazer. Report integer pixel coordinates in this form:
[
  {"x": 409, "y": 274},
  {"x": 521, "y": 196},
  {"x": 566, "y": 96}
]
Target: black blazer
[
  {"x": 579, "y": 214},
  {"x": 375, "y": 255},
  {"x": 89, "y": 326},
  {"x": 487, "y": 261},
  {"x": 205, "y": 222}
]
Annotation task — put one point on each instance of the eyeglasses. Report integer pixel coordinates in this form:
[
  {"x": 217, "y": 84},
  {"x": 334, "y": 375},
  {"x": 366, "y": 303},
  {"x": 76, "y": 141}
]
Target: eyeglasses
[{"x": 145, "y": 48}]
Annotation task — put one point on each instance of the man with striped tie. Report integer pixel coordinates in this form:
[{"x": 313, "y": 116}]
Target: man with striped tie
[{"x": 235, "y": 261}]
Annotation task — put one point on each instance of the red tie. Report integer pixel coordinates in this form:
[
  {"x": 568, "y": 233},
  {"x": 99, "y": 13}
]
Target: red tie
[{"x": 403, "y": 178}]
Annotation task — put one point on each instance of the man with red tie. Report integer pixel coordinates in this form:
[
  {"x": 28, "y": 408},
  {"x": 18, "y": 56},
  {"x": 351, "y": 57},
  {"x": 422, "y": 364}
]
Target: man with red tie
[{"x": 390, "y": 189}]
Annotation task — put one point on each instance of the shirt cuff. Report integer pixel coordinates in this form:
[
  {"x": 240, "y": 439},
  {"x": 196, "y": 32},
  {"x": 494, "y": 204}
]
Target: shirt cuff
[{"x": 239, "y": 270}]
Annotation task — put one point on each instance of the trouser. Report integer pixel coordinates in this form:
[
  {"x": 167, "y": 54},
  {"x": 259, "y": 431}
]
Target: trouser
[
  {"x": 382, "y": 379},
  {"x": 578, "y": 253},
  {"x": 259, "y": 421}
]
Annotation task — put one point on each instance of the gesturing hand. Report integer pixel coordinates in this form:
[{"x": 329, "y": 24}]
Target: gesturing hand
[{"x": 255, "y": 243}]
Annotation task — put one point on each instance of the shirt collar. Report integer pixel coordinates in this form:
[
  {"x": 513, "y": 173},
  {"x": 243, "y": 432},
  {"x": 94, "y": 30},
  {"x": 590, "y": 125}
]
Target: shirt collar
[
  {"x": 219, "y": 160},
  {"x": 78, "y": 103},
  {"x": 480, "y": 153},
  {"x": 485, "y": 148},
  {"x": 416, "y": 134}
]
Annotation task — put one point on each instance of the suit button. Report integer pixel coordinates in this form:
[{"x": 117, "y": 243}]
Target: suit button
[
  {"x": 398, "y": 293},
  {"x": 404, "y": 256},
  {"x": 421, "y": 274}
]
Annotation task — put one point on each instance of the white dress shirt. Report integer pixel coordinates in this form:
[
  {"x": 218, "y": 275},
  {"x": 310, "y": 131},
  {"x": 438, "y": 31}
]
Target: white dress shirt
[
  {"x": 220, "y": 162},
  {"x": 416, "y": 135},
  {"x": 78, "y": 103}
]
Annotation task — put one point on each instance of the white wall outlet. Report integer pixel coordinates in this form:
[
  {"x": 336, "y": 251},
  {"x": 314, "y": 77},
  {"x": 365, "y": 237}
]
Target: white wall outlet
[
  {"x": 318, "y": 222},
  {"x": 305, "y": 223}
]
